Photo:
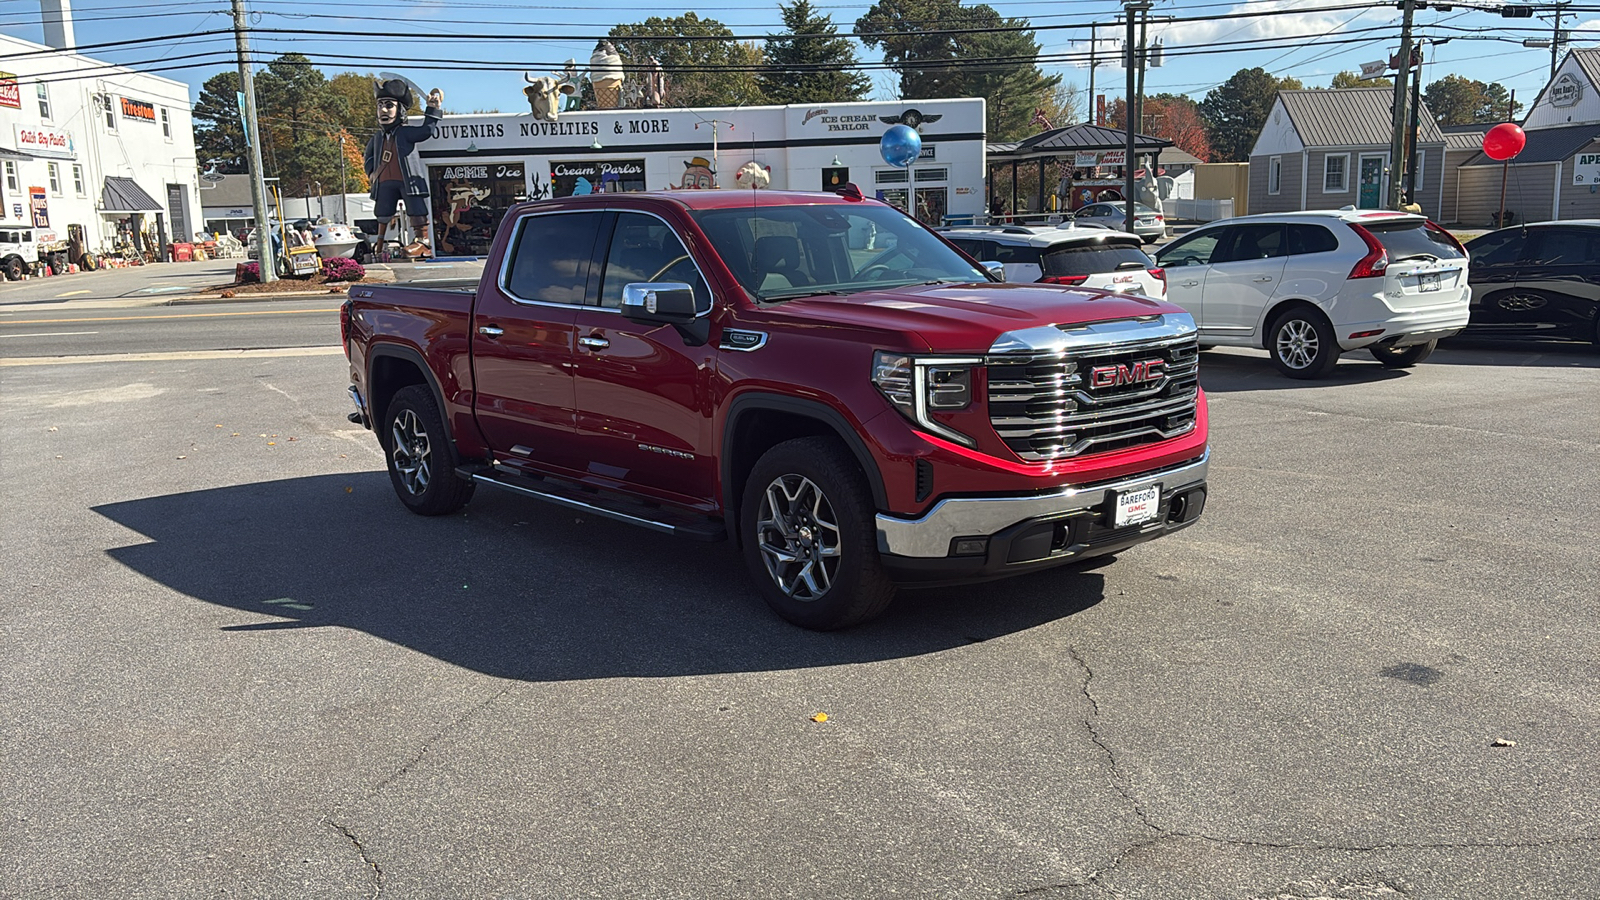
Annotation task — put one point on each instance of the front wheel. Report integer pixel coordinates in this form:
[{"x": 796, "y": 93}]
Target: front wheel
[
  {"x": 12, "y": 268},
  {"x": 1402, "y": 357},
  {"x": 418, "y": 453},
  {"x": 808, "y": 536},
  {"x": 1302, "y": 344}
]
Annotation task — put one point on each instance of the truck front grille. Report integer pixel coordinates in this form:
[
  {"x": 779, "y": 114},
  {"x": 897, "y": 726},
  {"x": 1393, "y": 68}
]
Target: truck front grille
[{"x": 1094, "y": 399}]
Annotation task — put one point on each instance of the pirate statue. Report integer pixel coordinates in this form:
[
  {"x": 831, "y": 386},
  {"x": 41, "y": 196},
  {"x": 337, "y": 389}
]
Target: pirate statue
[{"x": 391, "y": 160}]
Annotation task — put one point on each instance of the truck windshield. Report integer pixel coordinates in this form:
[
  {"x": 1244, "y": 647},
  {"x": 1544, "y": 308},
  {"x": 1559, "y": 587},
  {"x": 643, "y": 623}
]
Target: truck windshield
[{"x": 784, "y": 252}]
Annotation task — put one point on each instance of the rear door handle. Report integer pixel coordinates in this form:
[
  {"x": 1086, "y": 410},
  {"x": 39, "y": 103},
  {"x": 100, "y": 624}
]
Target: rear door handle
[
  {"x": 1190, "y": 283},
  {"x": 1265, "y": 278},
  {"x": 493, "y": 331},
  {"x": 594, "y": 343}
]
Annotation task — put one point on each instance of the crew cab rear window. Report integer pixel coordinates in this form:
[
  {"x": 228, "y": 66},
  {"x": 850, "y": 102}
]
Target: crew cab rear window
[
  {"x": 1409, "y": 239},
  {"x": 1092, "y": 259},
  {"x": 550, "y": 263}
]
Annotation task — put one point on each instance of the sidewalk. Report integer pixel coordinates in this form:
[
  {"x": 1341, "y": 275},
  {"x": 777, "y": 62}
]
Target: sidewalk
[{"x": 182, "y": 284}]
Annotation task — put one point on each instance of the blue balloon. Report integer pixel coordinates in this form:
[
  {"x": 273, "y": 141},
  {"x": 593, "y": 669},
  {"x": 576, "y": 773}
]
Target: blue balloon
[{"x": 900, "y": 145}]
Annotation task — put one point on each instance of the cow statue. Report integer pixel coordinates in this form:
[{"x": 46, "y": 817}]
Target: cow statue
[
  {"x": 545, "y": 94},
  {"x": 605, "y": 73},
  {"x": 752, "y": 175}
]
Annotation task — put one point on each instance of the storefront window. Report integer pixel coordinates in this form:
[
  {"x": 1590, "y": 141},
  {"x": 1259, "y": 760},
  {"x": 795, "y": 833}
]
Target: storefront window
[
  {"x": 596, "y": 176},
  {"x": 468, "y": 203}
]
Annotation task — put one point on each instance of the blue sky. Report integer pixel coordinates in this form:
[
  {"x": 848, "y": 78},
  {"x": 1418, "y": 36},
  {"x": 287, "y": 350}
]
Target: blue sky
[{"x": 1308, "y": 48}]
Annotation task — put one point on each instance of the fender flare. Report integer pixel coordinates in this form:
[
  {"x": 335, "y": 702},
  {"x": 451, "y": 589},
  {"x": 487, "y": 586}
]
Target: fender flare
[
  {"x": 383, "y": 349},
  {"x": 813, "y": 409}
]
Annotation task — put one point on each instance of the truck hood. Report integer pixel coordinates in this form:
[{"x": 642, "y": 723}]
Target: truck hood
[{"x": 967, "y": 318}]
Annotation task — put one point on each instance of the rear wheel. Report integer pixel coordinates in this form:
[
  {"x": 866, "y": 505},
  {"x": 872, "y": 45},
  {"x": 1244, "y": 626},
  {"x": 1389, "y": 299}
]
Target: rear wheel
[
  {"x": 808, "y": 536},
  {"x": 420, "y": 462},
  {"x": 1302, "y": 343},
  {"x": 1402, "y": 357}
]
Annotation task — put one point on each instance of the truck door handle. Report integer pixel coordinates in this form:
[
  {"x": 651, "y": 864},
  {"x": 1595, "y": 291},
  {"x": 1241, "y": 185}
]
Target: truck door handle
[
  {"x": 594, "y": 343},
  {"x": 1265, "y": 278},
  {"x": 493, "y": 331}
]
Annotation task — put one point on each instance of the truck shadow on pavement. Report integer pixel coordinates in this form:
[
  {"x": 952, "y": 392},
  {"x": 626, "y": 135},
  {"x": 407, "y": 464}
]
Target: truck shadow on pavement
[
  {"x": 518, "y": 589},
  {"x": 1228, "y": 373}
]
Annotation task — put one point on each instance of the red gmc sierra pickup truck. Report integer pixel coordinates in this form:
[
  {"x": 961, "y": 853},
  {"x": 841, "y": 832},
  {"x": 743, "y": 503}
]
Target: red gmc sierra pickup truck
[{"x": 818, "y": 377}]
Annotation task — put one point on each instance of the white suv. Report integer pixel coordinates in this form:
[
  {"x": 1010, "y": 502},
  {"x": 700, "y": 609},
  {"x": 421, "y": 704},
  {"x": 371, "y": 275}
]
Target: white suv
[
  {"x": 1087, "y": 257},
  {"x": 1306, "y": 286}
]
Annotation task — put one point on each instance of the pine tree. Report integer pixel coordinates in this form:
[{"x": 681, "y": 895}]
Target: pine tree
[{"x": 809, "y": 63}]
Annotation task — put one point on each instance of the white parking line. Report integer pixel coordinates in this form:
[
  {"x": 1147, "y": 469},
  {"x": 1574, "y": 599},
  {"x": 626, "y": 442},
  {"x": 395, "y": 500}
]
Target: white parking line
[{"x": 173, "y": 355}]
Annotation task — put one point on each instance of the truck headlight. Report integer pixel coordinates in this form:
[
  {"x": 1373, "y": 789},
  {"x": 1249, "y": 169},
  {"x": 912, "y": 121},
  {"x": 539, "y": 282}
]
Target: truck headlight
[{"x": 919, "y": 387}]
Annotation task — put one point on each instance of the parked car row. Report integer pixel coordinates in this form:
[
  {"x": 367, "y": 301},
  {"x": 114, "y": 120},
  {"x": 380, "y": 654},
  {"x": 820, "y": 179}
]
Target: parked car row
[{"x": 1310, "y": 286}]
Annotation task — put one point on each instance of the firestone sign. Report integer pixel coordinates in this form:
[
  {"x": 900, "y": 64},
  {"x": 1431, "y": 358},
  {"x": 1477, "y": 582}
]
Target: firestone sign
[{"x": 138, "y": 109}]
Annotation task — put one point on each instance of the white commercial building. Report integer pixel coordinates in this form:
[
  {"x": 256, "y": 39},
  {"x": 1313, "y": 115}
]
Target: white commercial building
[
  {"x": 478, "y": 165},
  {"x": 91, "y": 151}
]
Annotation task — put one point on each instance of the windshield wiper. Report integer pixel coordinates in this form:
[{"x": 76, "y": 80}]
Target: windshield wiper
[{"x": 796, "y": 295}]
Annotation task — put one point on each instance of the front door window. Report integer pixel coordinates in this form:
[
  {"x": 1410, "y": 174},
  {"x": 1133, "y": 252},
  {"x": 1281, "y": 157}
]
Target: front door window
[{"x": 1371, "y": 183}]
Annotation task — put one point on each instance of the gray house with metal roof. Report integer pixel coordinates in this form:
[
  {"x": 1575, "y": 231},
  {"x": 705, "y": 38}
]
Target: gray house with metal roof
[
  {"x": 1330, "y": 148},
  {"x": 1557, "y": 174}
]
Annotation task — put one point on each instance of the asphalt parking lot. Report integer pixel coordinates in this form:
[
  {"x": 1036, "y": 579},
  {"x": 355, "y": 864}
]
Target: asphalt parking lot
[{"x": 235, "y": 666}]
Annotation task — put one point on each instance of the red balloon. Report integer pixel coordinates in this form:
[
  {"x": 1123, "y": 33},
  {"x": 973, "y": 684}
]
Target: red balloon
[{"x": 1504, "y": 141}]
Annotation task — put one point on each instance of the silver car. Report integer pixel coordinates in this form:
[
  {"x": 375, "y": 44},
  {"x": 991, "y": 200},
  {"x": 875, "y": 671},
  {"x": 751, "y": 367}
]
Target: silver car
[{"x": 1148, "y": 223}]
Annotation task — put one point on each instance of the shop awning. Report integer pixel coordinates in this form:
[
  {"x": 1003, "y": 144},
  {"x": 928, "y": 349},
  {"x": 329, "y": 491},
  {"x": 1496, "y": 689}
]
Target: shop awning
[
  {"x": 123, "y": 195},
  {"x": 14, "y": 155}
]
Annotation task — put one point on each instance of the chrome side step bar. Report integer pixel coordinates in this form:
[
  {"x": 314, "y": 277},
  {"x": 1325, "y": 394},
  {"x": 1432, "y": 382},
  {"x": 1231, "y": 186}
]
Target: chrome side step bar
[{"x": 665, "y": 521}]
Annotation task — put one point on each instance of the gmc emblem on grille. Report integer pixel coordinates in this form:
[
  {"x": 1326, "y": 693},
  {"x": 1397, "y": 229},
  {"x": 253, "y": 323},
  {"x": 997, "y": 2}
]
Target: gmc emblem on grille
[{"x": 1137, "y": 373}]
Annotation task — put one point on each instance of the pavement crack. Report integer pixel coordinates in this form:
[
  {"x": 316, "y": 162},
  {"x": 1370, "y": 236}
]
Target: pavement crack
[
  {"x": 377, "y": 870},
  {"x": 1119, "y": 779}
]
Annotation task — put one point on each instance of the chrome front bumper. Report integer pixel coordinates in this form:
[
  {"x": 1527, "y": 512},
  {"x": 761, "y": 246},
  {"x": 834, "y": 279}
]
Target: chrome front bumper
[{"x": 930, "y": 534}]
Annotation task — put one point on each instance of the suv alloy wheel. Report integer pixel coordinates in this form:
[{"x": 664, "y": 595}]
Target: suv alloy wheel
[
  {"x": 1302, "y": 343},
  {"x": 808, "y": 536}
]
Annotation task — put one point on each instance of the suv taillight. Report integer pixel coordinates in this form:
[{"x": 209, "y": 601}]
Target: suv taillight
[
  {"x": 1064, "y": 279},
  {"x": 1432, "y": 226},
  {"x": 344, "y": 327},
  {"x": 1376, "y": 262},
  {"x": 1158, "y": 274}
]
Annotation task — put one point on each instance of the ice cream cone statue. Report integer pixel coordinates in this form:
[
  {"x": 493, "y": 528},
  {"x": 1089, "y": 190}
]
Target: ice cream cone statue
[{"x": 605, "y": 73}]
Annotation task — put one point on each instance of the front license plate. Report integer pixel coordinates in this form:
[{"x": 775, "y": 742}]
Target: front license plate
[
  {"x": 1428, "y": 281},
  {"x": 1135, "y": 507}
]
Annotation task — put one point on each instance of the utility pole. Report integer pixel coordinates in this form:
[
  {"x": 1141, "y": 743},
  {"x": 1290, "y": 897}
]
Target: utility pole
[
  {"x": 1414, "y": 124},
  {"x": 1556, "y": 43},
  {"x": 1089, "y": 114},
  {"x": 258, "y": 187},
  {"x": 1138, "y": 94},
  {"x": 1397, "y": 139},
  {"x": 1131, "y": 62}
]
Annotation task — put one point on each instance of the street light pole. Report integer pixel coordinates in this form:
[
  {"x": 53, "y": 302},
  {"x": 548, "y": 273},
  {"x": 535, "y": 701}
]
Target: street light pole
[
  {"x": 258, "y": 187},
  {"x": 1130, "y": 61}
]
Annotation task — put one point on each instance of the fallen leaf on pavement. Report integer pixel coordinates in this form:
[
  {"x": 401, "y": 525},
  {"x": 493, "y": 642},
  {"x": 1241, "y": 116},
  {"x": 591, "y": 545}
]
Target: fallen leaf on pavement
[{"x": 820, "y": 717}]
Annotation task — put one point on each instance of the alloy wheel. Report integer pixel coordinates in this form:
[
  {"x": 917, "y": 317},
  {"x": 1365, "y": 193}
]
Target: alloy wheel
[
  {"x": 412, "y": 454},
  {"x": 1298, "y": 344},
  {"x": 798, "y": 535}
]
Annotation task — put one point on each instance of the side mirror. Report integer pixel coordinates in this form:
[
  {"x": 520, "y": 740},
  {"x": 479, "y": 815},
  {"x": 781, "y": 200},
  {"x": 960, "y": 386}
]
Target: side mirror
[
  {"x": 997, "y": 269},
  {"x": 659, "y": 303}
]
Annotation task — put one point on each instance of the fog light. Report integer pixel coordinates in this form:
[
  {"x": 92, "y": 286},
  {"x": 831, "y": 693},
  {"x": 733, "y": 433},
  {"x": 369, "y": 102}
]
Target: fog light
[{"x": 970, "y": 546}]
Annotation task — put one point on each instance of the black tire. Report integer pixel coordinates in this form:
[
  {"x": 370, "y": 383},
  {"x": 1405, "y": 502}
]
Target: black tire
[
  {"x": 1302, "y": 343},
  {"x": 58, "y": 263},
  {"x": 13, "y": 268},
  {"x": 420, "y": 459},
  {"x": 809, "y": 478},
  {"x": 1402, "y": 357},
  {"x": 89, "y": 263}
]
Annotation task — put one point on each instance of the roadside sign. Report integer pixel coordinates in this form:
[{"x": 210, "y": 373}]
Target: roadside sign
[
  {"x": 1586, "y": 168},
  {"x": 1373, "y": 69}
]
